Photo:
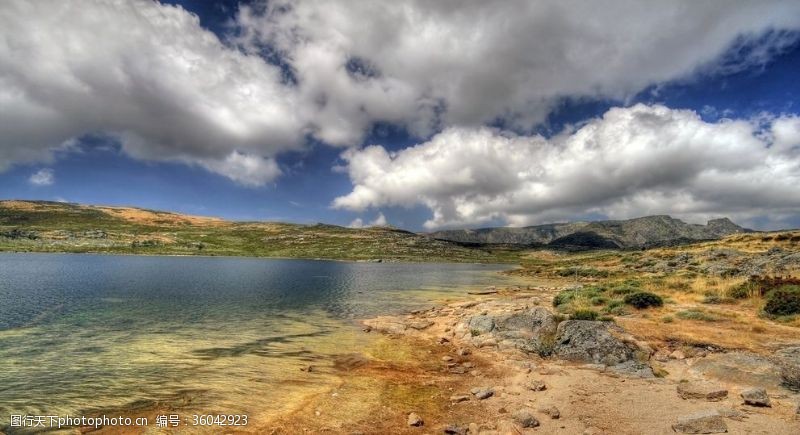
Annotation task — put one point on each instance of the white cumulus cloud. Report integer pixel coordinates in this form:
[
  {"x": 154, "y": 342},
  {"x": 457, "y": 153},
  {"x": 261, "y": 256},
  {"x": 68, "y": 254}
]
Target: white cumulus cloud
[
  {"x": 630, "y": 162},
  {"x": 145, "y": 72},
  {"x": 149, "y": 75},
  {"x": 427, "y": 64},
  {"x": 42, "y": 177}
]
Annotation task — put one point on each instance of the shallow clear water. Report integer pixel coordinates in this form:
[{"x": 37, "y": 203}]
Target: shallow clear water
[{"x": 82, "y": 333}]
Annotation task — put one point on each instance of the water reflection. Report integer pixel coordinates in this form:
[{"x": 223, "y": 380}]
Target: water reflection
[{"x": 82, "y": 332}]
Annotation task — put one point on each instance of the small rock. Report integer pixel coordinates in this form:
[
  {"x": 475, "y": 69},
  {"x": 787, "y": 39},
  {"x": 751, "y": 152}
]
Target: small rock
[
  {"x": 474, "y": 429},
  {"x": 444, "y": 340},
  {"x": 463, "y": 351},
  {"x": 459, "y": 398},
  {"x": 525, "y": 418},
  {"x": 307, "y": 369},
  {"x": 415, "y": 420},
  {"x": 701, "y": 422},
  {"x": 701, "y": 390},
  {"x": 468, "y": 365},
  {"x": 677, "y": 355},
  {"x": 661, "y": 356},
  {"x": 537, "y": 386},
  {"x": 755, "y": 397},
  {"x": 420, "y": 324},
  {"x": 550, "y": 411},
  {"x": 447, "y": 358},
  {"x": 455, "y": 430},
  {"x": 367, "y": 329},
  {"x": 482, "y": 393}
]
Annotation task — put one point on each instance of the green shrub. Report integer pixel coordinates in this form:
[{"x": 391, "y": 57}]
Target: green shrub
[
  {"x": 563, "y": 297},
  {"x": 760, "y": 286},
  {"x": 616, "y": 307},
  {"x": 584, "y": 315},
  {"x": 783, "y": 301},
  {"x": 642, "y": 300},
  {"x": 588, "y": 272}
]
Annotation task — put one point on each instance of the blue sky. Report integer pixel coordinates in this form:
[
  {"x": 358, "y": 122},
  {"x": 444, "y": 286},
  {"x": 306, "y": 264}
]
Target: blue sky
[{"x": 343, "y": 146}]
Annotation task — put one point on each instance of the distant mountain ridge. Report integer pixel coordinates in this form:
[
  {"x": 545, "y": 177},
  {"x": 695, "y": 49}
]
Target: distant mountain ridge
[{"x": 643, "y": 232}]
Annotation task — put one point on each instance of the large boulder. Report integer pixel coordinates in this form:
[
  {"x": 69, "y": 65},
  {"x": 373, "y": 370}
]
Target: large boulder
[{"x": 593, "y": 342}]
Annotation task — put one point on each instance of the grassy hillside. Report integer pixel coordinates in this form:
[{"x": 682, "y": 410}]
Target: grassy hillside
[
  {"x": 745, "y": 281},
  {"x": 37, "y": 226}
]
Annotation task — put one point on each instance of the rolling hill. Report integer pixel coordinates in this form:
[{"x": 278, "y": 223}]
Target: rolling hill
[{"x": 40, "y": 226}]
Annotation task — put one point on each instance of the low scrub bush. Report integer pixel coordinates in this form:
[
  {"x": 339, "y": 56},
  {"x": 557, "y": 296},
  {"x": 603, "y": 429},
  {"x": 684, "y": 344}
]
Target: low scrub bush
[
  {"x": 584, "y": 315},
  {"x": 642, "y": 300},
  {"x": 760, "y": 286},
  {"x": 586, "y": 272},
  {"x": 783, "y": 301}
]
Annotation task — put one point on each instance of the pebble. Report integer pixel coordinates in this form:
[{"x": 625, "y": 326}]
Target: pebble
[
  {"x": 525, "y": 418},
  {"x": 447, "y": 358},
  {"x": 415, "y": 420},
  {"x": 537, "y": 386},
  {"x": 455, "y": 430},
  {"x": 550, "y": 411}
]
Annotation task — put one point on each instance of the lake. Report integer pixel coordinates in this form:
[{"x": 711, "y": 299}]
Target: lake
[{"x": 80, "y": 334}]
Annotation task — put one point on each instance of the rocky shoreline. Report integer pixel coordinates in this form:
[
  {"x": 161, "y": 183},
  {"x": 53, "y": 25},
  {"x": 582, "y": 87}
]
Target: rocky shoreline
[{"x": 542, "y": 372}]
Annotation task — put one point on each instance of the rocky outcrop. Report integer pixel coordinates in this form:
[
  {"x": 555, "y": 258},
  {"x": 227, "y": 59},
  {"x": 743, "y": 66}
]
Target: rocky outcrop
[
  {"x": 648, "y": 231},
  {"x": 537, "y": 330},
  {"x": 592, "y": 342}
]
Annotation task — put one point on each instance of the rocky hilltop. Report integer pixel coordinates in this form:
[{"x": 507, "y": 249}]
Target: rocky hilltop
[{"x": 644, "y": 232}]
